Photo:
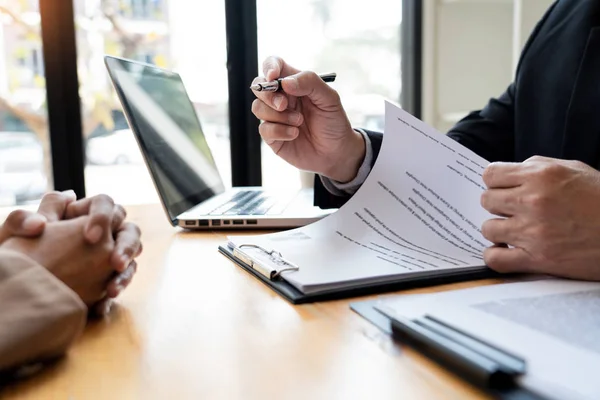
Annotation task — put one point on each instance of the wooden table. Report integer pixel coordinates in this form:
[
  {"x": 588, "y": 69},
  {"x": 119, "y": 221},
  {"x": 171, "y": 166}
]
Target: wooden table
[{"x": 194, "y": 326}]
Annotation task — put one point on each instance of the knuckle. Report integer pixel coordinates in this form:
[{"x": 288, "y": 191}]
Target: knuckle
[
  {"x": 485, "y": 199},
  {"x": 271, "y": 62},
  {"x": 578, "y": 165},
  {"x": 16, "y": 217},
  {"x": 128, "y": 250},
  {"x": 489, "y": 174},
  {"x": 538, "y": 201},
  {"x": 335, "y": 95},
  {"x": 126, "y": 279},
  {"x": 310, "y": 79},
  {"x": 53, "y": 193},
  {"x": 263, "y": 129},
  {"x": 535, "y": 159},
  {"x": 132, "y": 266},
  {"x": 104, "y": 198},
  {"x": 52, "y": 196},
  {"x": 102, "y": 218},
  {"x": 492, "y": 259},
  {"x": 139, "y": 251},
  {"x": 256, "y": 106},
  {"x": 539, "y": 232},
  {"x": 133, "y": 230},
  {"x": 531, "y": 200},
  {"x": 486, "y": 229},
  {"x": 312, "y": 75},
  {"x": 127, "y": 275},
  {"x": 136, "y": 229},
  {"x": 519, "y": 201},
  {"x": 495, "y": 260},
  {"x": 107, "y": 248},
  {"x": 267, "y": 130},
  {"x": 550, "y": 170},
  {"x": 268, "y": 62},
  {"x": 535, "y": 232},
  {"x": 121, "y": 211}
]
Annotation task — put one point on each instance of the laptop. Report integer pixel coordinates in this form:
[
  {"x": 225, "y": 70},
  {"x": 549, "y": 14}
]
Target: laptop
[{"x": 182, "y": 166}]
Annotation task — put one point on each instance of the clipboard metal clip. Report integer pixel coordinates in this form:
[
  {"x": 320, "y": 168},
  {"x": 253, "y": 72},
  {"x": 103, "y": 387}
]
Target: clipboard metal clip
[{"x": 272, "y": 269}]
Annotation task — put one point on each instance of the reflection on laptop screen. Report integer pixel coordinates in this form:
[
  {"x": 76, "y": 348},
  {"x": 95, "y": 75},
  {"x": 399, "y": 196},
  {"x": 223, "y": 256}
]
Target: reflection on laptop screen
[{"x": 168, "y": 131}]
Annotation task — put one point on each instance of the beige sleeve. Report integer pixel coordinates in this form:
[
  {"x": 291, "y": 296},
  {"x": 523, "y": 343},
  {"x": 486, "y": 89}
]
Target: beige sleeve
[{"x": 40, "y": 317}]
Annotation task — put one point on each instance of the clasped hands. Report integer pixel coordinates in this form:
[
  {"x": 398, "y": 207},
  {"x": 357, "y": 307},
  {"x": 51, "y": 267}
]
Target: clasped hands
[{"x": 87, "y": 244}]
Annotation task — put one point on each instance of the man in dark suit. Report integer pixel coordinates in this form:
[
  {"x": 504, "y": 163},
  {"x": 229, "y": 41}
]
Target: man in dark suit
[{"x": 542, "y": 136}]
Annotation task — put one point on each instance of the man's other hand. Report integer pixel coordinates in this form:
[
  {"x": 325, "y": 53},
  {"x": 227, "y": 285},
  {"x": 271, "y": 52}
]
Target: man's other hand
[{"x": 548, "y": 218}]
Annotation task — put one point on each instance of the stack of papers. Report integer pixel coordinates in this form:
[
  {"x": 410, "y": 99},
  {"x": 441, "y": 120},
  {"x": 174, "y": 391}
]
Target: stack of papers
[
  {"x": 553, "y": 324},
  {"x": 417, "y": 216}
]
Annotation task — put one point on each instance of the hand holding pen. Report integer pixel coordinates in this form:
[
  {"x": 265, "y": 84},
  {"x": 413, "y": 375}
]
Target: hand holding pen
[{"x": 304, "y": 122}]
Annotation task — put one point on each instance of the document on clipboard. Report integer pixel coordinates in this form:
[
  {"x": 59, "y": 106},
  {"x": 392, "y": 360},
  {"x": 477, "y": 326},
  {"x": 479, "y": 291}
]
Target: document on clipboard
[
  {"x": 540, "y": 336},
  {"x": 415, "y": 221}
]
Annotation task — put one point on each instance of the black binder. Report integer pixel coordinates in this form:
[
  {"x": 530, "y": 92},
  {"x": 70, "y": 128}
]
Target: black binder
[
  {"x": 484, "y": 366},
  {"x": 272, "y": 279}
]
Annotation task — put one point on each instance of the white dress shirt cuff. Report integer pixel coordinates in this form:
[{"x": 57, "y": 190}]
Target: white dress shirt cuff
[{"x": 348, "y": 188}]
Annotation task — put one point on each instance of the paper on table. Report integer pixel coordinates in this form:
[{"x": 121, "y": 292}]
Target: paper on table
[
  {"x": 553, "y": 324},
  {"x": 418, "y": 213}
]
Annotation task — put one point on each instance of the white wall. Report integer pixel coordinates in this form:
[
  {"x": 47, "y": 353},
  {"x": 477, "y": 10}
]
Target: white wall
[{"x": 471, "y": 48}]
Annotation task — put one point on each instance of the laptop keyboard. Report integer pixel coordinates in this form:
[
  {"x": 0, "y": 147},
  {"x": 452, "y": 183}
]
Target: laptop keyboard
[{"x": 246, "y": 202}]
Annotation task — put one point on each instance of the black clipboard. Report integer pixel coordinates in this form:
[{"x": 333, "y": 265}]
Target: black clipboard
[{"x": 294, "y": 296}]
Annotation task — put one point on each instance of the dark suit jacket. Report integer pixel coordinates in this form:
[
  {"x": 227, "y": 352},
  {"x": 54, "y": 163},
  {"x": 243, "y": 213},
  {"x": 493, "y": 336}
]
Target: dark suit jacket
[{"x": 551, "y": 109}]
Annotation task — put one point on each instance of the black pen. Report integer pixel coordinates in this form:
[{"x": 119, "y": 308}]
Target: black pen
[
  {"x": 275, "y": 85},
  {"x": 478, "y": 362}
]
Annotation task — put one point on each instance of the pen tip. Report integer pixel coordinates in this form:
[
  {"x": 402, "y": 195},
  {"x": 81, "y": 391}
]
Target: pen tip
[{"x": 255, "y": 87}]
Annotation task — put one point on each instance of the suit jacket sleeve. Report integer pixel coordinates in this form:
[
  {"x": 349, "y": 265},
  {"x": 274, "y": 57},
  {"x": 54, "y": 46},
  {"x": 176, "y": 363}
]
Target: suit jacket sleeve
[
  {"x": 489, "y": 132},
  {"x": 40, "y": 317},
  {"x": 323, "y": 198}
]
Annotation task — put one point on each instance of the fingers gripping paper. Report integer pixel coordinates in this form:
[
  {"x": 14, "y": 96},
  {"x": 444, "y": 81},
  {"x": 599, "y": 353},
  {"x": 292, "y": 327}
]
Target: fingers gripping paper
[{"x": 417, "y": 215}]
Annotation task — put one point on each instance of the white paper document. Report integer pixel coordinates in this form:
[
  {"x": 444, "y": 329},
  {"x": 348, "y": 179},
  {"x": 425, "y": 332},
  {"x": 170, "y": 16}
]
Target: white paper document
[
  {"x": 553, "y": 324},
  {"x": 417, "y": 215}
]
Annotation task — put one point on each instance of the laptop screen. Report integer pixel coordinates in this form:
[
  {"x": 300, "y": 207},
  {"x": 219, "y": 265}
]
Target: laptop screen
[{"x": 168, "y": 132}]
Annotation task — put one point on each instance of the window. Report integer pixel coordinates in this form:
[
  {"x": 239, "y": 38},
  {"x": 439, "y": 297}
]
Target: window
[
  {"x": 361, "y": 43},
  {"x": 185, "y": 36},
  {"x": 37, "y": 62},
  {"x": 25, "y": 160},
  {"x": 141, "y": 9}
]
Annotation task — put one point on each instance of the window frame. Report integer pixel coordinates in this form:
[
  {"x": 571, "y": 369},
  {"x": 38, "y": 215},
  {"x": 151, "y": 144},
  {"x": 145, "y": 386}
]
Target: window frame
[{"x": 64, "y": 106}]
